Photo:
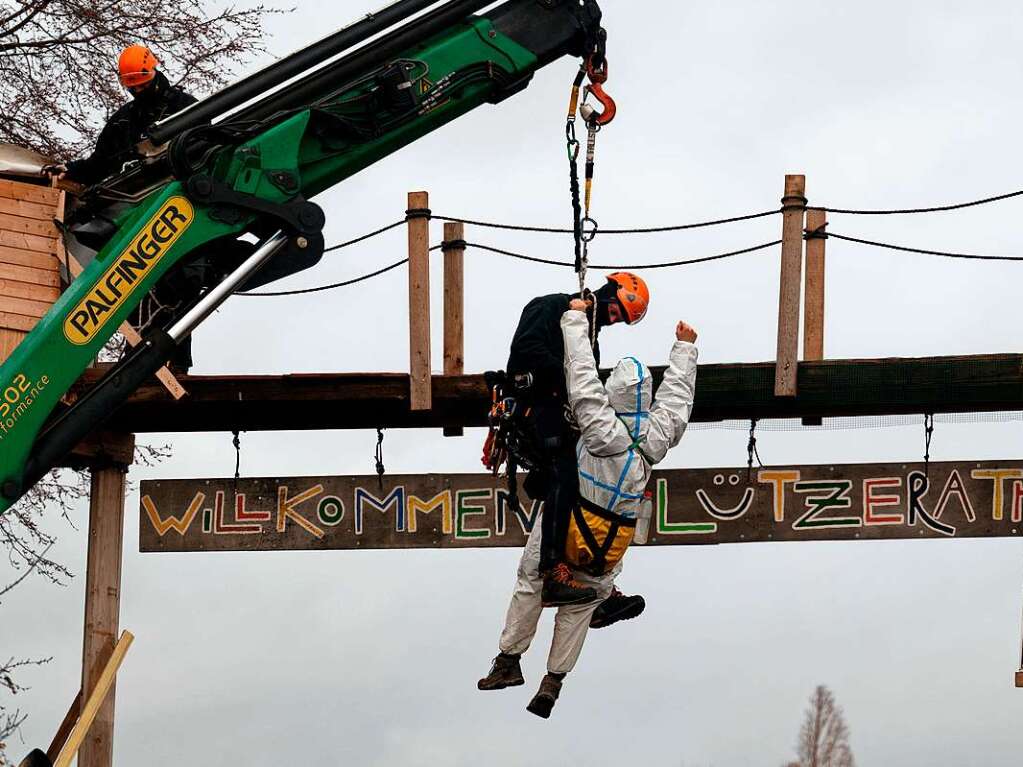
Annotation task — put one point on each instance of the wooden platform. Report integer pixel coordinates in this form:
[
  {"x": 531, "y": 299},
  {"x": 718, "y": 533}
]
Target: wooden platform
[
  {"x": 827, "y": 389},
  {"x": 29, "y": 265}
]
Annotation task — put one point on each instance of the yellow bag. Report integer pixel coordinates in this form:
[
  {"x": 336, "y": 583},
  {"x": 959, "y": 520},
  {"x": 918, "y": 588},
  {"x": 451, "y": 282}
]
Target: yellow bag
[{"x": 597, "y": 538}]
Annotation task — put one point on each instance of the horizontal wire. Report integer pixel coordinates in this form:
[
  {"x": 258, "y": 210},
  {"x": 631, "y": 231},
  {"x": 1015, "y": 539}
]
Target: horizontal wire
[
  {"x": 332, "y": 286},
  {"x": 906, "y": 211},
  {"x": 921, "y": 251},
  {"x": 609, "y": 267},
  {"x": 639, "y": 230}
]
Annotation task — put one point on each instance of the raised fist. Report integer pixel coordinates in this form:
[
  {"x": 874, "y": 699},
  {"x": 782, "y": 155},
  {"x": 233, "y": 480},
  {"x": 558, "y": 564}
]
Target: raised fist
[{"x": 684, "y": 332}]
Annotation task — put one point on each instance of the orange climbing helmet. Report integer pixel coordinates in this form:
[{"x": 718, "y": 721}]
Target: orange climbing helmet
[
  {"x": 137, "y": 66},
  {"x": 633, "y": 295}
]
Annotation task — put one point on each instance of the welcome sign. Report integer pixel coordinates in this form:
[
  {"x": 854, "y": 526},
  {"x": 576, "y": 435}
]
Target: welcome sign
[{"x": 691, "y": 507}]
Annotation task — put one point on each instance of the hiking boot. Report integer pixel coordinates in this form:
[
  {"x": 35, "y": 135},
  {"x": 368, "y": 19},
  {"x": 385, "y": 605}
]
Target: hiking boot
[
  {"x": 543, "y": 702},
  {"x": 559, "y": 588},
  {"x": 617, "y": 607},
  {"x": 505, "y": 672}
]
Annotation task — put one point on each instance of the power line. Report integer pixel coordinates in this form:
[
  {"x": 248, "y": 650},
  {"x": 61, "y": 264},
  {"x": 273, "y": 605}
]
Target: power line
[{"x": 921, "y": 251}]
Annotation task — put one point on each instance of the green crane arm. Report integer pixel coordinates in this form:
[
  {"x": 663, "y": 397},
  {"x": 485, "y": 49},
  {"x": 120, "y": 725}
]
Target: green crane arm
[{"x": 221, "y": 172}]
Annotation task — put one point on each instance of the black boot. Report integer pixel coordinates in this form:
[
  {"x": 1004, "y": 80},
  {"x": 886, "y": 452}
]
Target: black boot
[
  {"x": 543, "y": 702},
  {"x": 505, "y": 672},
  {"x": 559, "y": 588},
  {"x": 617, "y": 607}
]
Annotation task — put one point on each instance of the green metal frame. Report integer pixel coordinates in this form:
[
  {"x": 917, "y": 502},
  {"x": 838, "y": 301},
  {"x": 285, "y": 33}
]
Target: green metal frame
[{"x": 47, "y": 363}]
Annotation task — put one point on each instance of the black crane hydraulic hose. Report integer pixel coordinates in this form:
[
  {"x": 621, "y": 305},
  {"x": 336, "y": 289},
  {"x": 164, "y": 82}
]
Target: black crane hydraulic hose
[
  {"x": 291, "y": 66},
  {"x": 319, "y": 84}
]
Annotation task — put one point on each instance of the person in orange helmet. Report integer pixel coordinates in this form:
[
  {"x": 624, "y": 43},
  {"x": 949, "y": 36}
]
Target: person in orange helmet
[
  {"x": 153, "y": 98},
  {"x": 536, "y": 368}
]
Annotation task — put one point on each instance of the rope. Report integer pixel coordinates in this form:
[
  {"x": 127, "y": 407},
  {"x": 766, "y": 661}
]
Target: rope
[
  {"x": 921, "y": 251},
  {"x": 626, "y": 267},
  {"x": 638, "y": 230},
  {"x": 332, "y": 286},
  {"x": 936, "y": 209},
  {"x": 365, "y": 237}
]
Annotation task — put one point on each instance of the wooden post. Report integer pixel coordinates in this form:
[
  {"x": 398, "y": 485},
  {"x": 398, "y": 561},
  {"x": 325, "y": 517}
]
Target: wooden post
[
  {"x": 787, "y": 363},
  {"x": 813, "y": 319},
  {"x": 454, "y": 306},
  {"x": 102, "y": 603},
  {"x": 419, "y": 300}
]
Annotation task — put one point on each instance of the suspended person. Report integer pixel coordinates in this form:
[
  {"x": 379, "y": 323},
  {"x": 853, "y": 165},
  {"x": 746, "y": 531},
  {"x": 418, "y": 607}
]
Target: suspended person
[
  {"x": 153, "y": 99},
  {"x": 622, "y": 437},
  {"x": 536, "y": 366}
]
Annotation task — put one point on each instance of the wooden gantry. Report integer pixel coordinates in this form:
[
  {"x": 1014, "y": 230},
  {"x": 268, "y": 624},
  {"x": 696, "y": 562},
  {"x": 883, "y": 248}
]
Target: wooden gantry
[{"x": 33, "y": 264}]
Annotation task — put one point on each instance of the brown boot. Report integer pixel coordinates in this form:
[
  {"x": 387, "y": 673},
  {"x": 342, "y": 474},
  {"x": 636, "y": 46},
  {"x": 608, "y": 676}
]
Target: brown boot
[
  {"x": 505, "y": 672},
  {"x": 560, "y": 588},
  {"x": 543, "y": 702}
]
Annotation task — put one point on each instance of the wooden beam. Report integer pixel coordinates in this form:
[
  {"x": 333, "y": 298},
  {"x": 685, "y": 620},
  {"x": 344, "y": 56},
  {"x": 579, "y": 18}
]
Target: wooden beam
[
  {"x": 102, "y": 606},
  {"x": 419, "y": 299},
  {"x": 101, "y": 696},
  {"x": 827, "y": 389},
  {"x": 64, "y": 731},
  {"x": 454, "y": 307},
  {"x": 787, "y": 360}
]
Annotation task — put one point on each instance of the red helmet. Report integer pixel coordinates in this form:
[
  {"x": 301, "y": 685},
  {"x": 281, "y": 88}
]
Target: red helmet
[
  {"x": 633, "y": 295},
  {"x": 137, "y": 66}
]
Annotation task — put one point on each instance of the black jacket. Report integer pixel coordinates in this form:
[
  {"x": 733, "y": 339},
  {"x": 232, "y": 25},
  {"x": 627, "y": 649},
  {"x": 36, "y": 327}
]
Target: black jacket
[
  {"x": 538, "y": 346},
  {"x": 117, "y": 141}
]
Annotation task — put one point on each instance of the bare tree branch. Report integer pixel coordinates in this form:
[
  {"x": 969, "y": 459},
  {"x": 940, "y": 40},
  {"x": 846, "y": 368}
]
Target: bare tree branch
[{"x": 824, "y": 736}]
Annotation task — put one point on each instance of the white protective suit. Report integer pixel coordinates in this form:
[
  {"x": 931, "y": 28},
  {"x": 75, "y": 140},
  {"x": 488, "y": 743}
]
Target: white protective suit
[{"x": 622, "y": 437}]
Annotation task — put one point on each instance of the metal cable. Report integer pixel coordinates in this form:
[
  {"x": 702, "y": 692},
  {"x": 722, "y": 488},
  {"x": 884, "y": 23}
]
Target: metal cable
[{"x": 921, "y": 251}]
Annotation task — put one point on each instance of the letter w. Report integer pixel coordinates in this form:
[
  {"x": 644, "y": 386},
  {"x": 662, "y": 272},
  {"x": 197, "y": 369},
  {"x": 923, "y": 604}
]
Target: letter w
[{"x": 180, "y": 525}]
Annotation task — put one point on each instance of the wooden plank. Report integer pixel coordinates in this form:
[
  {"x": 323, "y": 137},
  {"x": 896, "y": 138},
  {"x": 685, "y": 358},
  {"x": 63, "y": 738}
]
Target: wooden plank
[
  {"x": 827, "y": 389},
  {"x": 28, "y": 226},
  {"x": 419, "y": 302},
  {"x": 9, "y": 340},
  {"x": 15, "y": 190},
  {"x": 25, "y": 307},
  {"x": 101, "y": 698},
  {"x": 64, "y": 731},
  {"x": 33, "y": 259},
  {"x": 27, "y": 209},
  {"x": 787, "y": 360},
  {"x": 22, "y": 241},
  {"x": 692, "y": 506},
  {"x": 102, "y": 606},
  {"x": 454, "y": 308},
  {"x": 18, "y": 289},
  {"x": 44, "y": 277},
  {"x": 17, "y": 322}
]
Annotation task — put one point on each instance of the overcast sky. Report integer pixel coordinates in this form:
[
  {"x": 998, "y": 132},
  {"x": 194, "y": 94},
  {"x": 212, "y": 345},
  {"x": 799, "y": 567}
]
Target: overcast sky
[{"x": 372, "y": 658}]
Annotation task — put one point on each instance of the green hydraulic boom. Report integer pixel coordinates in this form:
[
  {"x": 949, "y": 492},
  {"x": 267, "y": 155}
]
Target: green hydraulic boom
[{"x": 247, "y": 161}]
